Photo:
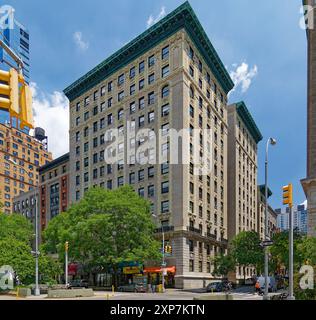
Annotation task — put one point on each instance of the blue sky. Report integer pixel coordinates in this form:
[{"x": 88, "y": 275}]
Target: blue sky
[{"x": 68, "y": 38}]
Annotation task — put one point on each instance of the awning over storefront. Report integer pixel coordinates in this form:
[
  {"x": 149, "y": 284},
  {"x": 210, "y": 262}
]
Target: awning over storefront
[{"x": 171, "y": 269}]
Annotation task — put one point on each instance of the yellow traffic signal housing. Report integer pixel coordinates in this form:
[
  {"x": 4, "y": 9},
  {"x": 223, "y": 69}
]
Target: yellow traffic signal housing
[
  {"x": 9, "y": 89},
  {"x": 66, "y": 246},
  {"x": 288, "y": 194},
  {"x": 26, "y": 115},
  {"x": 16, "y": 97}
]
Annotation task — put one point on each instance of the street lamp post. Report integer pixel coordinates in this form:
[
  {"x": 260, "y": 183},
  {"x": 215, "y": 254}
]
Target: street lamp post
[
  {"x": 37, "y": 290},
  {"x": 271, "y": 141}
]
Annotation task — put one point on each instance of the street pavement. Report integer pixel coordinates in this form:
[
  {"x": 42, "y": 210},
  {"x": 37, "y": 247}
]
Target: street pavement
[{"x": 170, "y": 294}]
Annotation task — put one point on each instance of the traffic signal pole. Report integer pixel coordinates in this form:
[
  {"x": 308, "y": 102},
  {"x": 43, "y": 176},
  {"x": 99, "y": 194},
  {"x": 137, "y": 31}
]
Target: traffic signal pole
[
  {"x": 291, "y": 244},
  {"x": 288, "y": 199},
  {"x": 163, "y": 260},
  {"x": 66, "y": 263}
]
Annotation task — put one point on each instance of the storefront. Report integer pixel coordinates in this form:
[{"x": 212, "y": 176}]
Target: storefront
[
  {"x": 128, "y": 271},
  {"x": 154, "y": 275}
]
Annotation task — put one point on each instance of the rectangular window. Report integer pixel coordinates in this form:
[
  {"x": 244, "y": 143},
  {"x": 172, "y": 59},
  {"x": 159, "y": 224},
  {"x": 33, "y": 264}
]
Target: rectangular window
[
  {"x": 141, "y": 103},
  {"x": 141, "y": 84},
  {"x": 132, "y": 72},
  {"x": 164, "y": 129},
  {"x": 141, "y": 192},
  {"x": 164, "y": 206},
  {"x": 151, "y": 78},
  {"x": 102, "y": 91},
  {"x": 165, "y": 52},
  {"x": 191, "y": 71},
  {"x": 141, "y": 121},
  {"x": 164, "y": 168},
  {"x": 151, "y": 191},
  {"x": 132, "y": 107},
  {"x": 132, "y": 178},
  {"x": 110, "y": 86},
  {"x": 110, "y": 119},
  {"x": 120, "y": 181},
  {"x": 151, "y": 98},
  {"x": 151, "y": 117},
  {"x": 120, "y": 79},
  {"x": 165, "y": 110},
  {"x": 165, "y": 71},
  {"x": 141, "y": 67},
  {"x": 110, "y": 101},
  {"x": 151, "y": 61},
  {"x": 120, "y": 96},
  {"x": 141, "y": 175},
  {"x": 191, "y": 53},
  {"x": 165, "y": 187},
  {"x": 151, "y": 172},
  {"x": 132, "y": 89}
]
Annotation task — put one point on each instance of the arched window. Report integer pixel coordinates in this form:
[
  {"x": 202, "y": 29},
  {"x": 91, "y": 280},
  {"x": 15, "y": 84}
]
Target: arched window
[
  {"x": 165, "y": 91},
  {"x": 120, "y": 114}
]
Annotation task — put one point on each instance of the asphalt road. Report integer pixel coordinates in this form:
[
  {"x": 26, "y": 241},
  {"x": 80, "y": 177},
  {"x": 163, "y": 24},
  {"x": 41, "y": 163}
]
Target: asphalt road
[{"x": 170, "y": 294}]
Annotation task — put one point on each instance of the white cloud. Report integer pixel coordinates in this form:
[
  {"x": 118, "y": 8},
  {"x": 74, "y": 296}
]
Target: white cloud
[
  {"x": 82, "y": 45},
  {"x": 51, "y": 112},
  {"x": 242, "y": 76},
  {"x": 152, "y": 20}
]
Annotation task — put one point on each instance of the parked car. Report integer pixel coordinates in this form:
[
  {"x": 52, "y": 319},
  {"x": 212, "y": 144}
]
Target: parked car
[
  {"x": 214, "y": 287},
  {"x": 78, "y": 283},
  {"x": 133, "y": 287}
]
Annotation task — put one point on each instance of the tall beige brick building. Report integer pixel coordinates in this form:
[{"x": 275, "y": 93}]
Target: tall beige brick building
[
  {"x": 28, "y": 153},
  {"x": 169, "y": 77},
  {"x": 309, "y": 183},
  {"x": 243, "y": 138}
]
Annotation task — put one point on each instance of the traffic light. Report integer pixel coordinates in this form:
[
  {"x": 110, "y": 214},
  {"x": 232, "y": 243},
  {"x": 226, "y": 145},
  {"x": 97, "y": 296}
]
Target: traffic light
[
  {"x": 288, "y": 194},
  {"x": 16, "y": 97},
  {"x": 66, "y": 246},
  {"x": 9, "y": 89},
  {"x": 26, "y": 115},
  {"x": 168, "y": 249}
]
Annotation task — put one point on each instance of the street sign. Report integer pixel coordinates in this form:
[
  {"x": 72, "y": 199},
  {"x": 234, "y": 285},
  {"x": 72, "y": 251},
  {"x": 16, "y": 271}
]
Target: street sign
[{"x": 266, "y": 243}]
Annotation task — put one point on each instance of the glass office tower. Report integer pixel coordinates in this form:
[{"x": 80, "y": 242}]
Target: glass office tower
[{"x": 17, "y": 38}]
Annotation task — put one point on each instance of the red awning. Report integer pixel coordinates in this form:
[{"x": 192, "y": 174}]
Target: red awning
[{"x": 171, "y": 269}]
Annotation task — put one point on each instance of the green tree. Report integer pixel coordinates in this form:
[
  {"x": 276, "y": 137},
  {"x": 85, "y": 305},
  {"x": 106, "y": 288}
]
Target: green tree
[
  {"x": 16, "y": 233},
  {"x": 279, "y": 251},
  {"x": 223, "y": 264},
  {"x": 246, "y": 250},
  {"x": 15, "y": 226},
  {"x": 105, "y": 228}
]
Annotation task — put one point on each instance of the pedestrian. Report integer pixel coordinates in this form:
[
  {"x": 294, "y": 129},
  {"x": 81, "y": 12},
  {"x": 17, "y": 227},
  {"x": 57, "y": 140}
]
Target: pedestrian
[{"x": 257, "y": 287}]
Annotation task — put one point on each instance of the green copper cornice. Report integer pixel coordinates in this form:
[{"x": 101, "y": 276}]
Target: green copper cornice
[
  {"x": 181, "y": 18},
  {"x": 248, "y": 120},
  {"x": 262, "y": 190}
]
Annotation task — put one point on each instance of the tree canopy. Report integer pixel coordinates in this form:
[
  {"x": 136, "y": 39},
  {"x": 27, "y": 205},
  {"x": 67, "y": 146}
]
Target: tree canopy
[
  {"x": 16, "y": 233},
  {"x": 106, "y": 227}
]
